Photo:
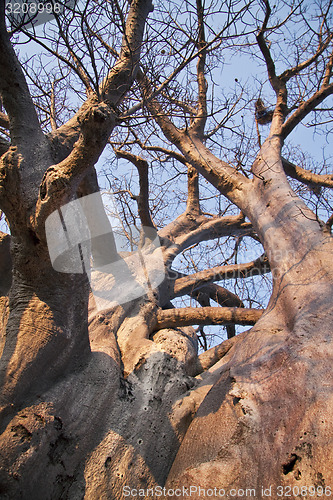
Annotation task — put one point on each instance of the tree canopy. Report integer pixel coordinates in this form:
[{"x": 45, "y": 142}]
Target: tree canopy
[{"x": 208, "y": 125}]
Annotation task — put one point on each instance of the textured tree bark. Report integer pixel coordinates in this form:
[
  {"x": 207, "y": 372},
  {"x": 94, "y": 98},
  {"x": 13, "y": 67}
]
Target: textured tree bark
[
  {"x": 259, "y": 416},
  {"x": 268, "y": 419},
  {"x": 46, "y": 334},
  {"x": 92, "y": 401}
]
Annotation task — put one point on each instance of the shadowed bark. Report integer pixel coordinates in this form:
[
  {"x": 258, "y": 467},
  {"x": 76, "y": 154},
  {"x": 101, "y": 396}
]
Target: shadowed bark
[{"x": 94, "y": 401}]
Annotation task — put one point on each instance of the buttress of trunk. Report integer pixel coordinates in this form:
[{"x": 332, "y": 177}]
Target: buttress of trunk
[{"x": 46, "y": 333}]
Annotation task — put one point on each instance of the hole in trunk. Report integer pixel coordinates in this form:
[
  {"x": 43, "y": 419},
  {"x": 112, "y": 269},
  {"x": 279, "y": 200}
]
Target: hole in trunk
[{"x": 290, "y": 464}]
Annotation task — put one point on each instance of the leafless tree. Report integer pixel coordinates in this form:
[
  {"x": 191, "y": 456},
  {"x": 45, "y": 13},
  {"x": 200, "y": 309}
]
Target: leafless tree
[{"x": 95, "y": 401}]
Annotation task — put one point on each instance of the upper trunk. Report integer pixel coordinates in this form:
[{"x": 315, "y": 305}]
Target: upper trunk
[{"x": 268, "y": 420}]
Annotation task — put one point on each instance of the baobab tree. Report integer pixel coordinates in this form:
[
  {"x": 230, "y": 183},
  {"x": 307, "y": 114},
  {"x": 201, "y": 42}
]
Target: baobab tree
[{"x": 114, "y": 402}]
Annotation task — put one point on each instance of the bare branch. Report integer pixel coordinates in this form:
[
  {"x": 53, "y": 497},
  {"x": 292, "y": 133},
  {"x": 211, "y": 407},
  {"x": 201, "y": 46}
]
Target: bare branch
[
  {"x": 274, "y": 81},
  {"x": 203, "y": 49},
  {"x": 208, "y": 358},
  {"x": 218, "y": 172},
  {"x": 168, "y": 152},
  {"x": 155, "y": 108},
  {"x": 14, "y": 90},
  {"x": 207, "y": 316},
  {"x": 225, "y": 119},
  {"x": 93, "y": 123},
  {"x": 305, "y": 176},
  {"x": 289, "y": 73},
  {"x": 108, "y": 47},
  {"x": 305, "y": 108},
  {"x": 53, "y": 108},
  {"x": 143, "y": 198},
  {"x": 186, "y": 232},
  {"x": 277, "y": 84},
  {"x": 76, "y": 65},
  {"x": 154, "y": 93},
  {"x": 198, "y": 125},
  {"x": 186, "y": 285},
  {"x": 79, "y": 67},
  {"x": 193, "y": 203},
  {"x": 121, "y": 76}
]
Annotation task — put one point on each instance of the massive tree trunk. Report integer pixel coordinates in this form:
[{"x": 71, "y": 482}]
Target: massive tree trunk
[
  {"x": 267, "y": 421},
  {"x": 74, "y": 427},
  {"x": 95, "y": 404}
]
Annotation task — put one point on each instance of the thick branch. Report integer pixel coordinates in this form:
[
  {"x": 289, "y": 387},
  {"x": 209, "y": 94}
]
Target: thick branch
[
  {"x": 305, "y": 108},
  {"x": 274, "y": 81},
  {"x": 193, "y": 202},
  {"x": 143, "y": 198},
  {"x": 191, "y": 233},
  {"x": 218, "y": 294},
  {"x": 171, "y": 318},
  {"x": 62, "y": 181},
  {"x": 5, "y": 264},
  {"x": 120, "y": 78},
  {"x": 124, "y": 72},
  {"x": 306, "y": 177},
  {"x": 328, "y": 71},
  {"x": 14, "y": 90},
  {"x": 186, "y": 285},
  {"x": 277, "y": 84},
  {"x": 208, "y": 358}
]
